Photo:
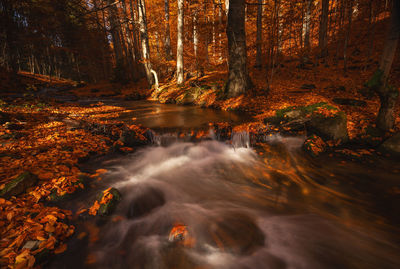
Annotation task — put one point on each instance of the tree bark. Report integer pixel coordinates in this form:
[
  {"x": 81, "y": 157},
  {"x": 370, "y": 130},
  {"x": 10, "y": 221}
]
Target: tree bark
[
  {"x": 388, "y": 95},
  {"x": 306, "y": 26},
  {"x": 145, "y": 41},
  {"x": 168, "y": 52},
  {"x": 259, "y": 34},
  {"x": 323, "y": 29},
  {"x": 179, "y": 53},
  {"x": 347, "y": 37},
  {"x": 238, "y": 77}
]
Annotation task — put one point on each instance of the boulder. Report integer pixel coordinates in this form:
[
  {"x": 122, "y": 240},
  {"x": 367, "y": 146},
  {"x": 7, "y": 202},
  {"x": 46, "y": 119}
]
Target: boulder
[
  {"x": 391, "y": 145},
  {"x": 148, "y": 200},
  {"x": 19, "y": 185},
  {"x": 314, "y": 145},
  {"x": 236, "y": 233},
  {"x": 332, "y": 127},
  {"x": 108, "y": 208}
]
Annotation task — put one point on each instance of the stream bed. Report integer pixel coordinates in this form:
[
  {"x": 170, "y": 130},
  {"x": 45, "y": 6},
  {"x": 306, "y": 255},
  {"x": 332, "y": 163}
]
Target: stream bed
[{"x": 270, "y": 206}]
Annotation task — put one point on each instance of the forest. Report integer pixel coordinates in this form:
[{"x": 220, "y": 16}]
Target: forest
[{"x": 199, "y": 134}]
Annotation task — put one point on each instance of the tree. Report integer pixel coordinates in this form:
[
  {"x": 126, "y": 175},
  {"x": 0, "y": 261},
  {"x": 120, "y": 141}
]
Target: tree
[
  {"x": 179, "y": 53},
  {"x": 168, "y": 52},
  {"x": 323, "y": 29},
  {"x": 306, "y": 26},
  {"x": 387, "y": 94},
  {"x": 145, "y": 41},
  {"x": 259, "y": 34},
  {"x": 238, "y": 77}
]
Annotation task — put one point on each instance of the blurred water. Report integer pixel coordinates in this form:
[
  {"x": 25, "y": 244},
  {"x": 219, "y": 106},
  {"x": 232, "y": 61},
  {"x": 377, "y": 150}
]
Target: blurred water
[{"x": 241, "y": 210}]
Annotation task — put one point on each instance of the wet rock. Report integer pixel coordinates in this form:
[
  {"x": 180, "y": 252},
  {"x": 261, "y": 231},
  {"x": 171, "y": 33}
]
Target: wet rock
[
  {"x": 32, "y": 245},
  {"x": 148, "y": 200},
  {"x": 109, "y": 207},
  {"x": 333, "y": 127},
  {"x": 14, "y": 126},
  {"x": 134, "y": 97},
  {"x": 314, "y": 145},
  {"x": 19, "y": 185},
  {"x": 372, "y": 136},
  {"x": 131, "y": 138},
  {"x": 222, "y": 130},
  {"x": 308, "y": 87},
  {"x": 236, "y": 233},
  {"x": 392, "y": 145},
  {"x": 349, "y": 102}
]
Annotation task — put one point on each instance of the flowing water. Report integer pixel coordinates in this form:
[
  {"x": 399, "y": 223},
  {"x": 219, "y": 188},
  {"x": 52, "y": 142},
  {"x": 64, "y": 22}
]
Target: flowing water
[{"x": 238, "y": 207}]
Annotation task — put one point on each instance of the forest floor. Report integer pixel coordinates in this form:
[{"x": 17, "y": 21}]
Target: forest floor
[{"x": 50, "y": 139}]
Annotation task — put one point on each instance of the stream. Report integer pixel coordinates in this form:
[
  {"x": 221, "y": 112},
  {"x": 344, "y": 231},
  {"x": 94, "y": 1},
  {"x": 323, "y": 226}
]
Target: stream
[{"x": 268, "y": 206}]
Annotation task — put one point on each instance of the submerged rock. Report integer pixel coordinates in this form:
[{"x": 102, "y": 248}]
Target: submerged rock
[
  {"x": 19, "y": 185},
  {"x": 236, "y": 233},
  {"x": 148, "y": 200},
  {"x": 392, "y": 145}
]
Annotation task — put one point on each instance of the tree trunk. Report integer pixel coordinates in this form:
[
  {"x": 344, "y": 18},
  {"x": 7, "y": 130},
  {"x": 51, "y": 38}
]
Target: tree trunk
[
  {"x": 306, "y": 27},
  {"x": 347, "y": 37},
  {"x": 323, "y": 29},
  {"x": 145, "y": 41},
  {"x": 168, "y": 52},
  {"x": 388, "y": 95},
  {"x": 259, "y": 34},
  {"x": 119, "y": 57},
  {"x": 179, "y": 53},
  {"x": 195, "y": 38},
  {"x": 238, "y": 77}
]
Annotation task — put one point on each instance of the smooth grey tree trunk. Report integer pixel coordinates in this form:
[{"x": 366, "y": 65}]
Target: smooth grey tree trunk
[
  {"x": 238, "y": 77},
  {"x": 179, "y": 53},
  {"x": 167, "y": 42},
  {"x": 388, "y": 95},
  {"x": 145, "y": 41}
]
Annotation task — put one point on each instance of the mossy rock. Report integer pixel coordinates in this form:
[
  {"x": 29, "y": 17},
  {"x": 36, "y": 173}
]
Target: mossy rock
[
  {"x": 109, "y": 207},
  {"x": 55, "y": 198},
  {"x": 329, "y": 128},
  {"x": 19, "y": 185},
  {"x": 314, "y": 145}
]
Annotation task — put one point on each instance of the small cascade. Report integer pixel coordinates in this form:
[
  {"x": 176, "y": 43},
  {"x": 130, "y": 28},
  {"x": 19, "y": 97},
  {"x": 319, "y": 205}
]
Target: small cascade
[{"x": 240, "y": 139}]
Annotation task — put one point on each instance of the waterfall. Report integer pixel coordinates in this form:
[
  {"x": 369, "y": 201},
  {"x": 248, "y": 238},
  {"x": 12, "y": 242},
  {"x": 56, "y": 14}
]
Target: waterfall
[{"x": 240, "y": 139}]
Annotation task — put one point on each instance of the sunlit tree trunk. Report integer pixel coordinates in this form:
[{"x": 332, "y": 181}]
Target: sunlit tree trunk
[
  {"x": 387, "y": 94},
  {"x": 179, "y": 54},
  {"x": 259, "y": 34},
  {"x": 145, "y": 41},
  {"x": 195, "y": 38},
  {"x": 238, "y": 77},
  {"x": 168, "y": 52},
  {"x": 306, "y": 26},
  {"x": 323, "y": 29}
]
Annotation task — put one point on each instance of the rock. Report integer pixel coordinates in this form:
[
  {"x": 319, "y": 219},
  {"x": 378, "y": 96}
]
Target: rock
[
  {"x": 32, "y": 245},
  {"x": 133, "y": 138},
  {"x": 19, "y": 185},
  {"x": 329, "y": 127},
  {"x": 391, "y": 145},
  {"x": 308, "y": 87},
  {"x": 222, "y": 130},
  {"x": 314, "y": 145},
  {"x": 236, "y": 233},
  {"x": 14, "y": 126},
  {"x": 372, "y": 136},
  {"x": 148, "y": 200},
  {"x": 349, "y": 102},
  {"x": 109, "y": 207}
]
